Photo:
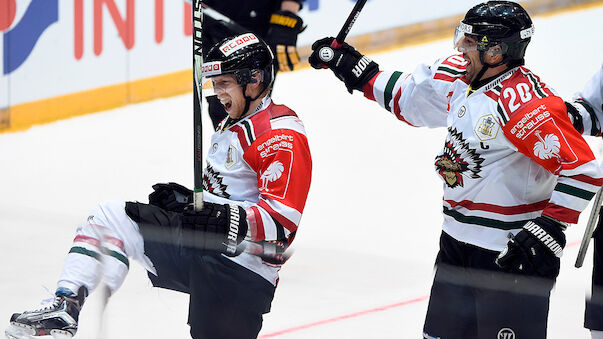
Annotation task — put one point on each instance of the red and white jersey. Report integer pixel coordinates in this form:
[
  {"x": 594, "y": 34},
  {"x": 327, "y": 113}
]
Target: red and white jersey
[
  {"x": 511, "y": 153},
  {"x": 262, "y": 163}
]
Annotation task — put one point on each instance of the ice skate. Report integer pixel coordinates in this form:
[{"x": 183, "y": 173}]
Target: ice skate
[{"x": 59, "y": 319}]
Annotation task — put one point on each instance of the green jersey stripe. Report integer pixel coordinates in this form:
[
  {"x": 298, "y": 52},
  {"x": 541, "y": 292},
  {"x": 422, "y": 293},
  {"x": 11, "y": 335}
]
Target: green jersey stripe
[
  {"x": 387, "y": 95},
  {"x": 450, "y": 70},
  {"x": 84, "y": 251},
  {"x": 118, "y": 256},
  {"x": 248, "y": 132},
  {"x": 501, "y": 113},
  {"x": 536, "y": 86},
  {"x": 503, "y": 225},
  {"x": 574, "y": 191}
]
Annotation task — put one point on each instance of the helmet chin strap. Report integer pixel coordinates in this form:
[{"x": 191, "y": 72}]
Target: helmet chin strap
[
  {"x": 249, "y": 99},
  {"x": 485, "y": 67}
]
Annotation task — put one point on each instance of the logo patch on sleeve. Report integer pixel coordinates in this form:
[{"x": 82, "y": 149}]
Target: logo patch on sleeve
[
  {"x": 274, "y": 180},
  {"x": 547, "y": 147}
]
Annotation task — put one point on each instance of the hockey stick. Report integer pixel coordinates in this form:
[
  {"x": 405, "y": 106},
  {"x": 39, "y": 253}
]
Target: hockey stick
[
  {"x": 347, "y": 26},
  {"x": 197, "y": 96},
  {"x": 590, "y": 228},
  {"x": 223, "y": 19}
]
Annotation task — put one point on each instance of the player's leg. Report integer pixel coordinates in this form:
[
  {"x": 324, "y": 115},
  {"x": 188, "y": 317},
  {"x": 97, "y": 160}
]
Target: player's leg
[
  {"x": 100, "y": 249},
  {"x": 593, "y": 318},
  {"x": 509, "y": 306},
  {"x": 227, "y": 300},
  {"x": 161, "y": 231},
  {"x": 451, "y": 309}
]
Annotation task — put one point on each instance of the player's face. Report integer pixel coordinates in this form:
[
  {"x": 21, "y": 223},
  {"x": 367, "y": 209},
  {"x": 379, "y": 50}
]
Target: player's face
[
  {"x": 468, "y": 46},
  {"x": 230, "y": 94}
]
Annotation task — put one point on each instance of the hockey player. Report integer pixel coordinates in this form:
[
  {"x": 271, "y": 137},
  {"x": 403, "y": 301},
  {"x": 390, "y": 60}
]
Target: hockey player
[
  {"x": 256, "y": 182},
  {"x": 515, "y": 172},
  {"x": 586, "y": 111},
  {"x": 276, "y": 21}
]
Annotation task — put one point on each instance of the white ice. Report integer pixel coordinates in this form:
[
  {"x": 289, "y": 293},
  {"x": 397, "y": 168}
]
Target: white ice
[{"x": 367, "y": 242}]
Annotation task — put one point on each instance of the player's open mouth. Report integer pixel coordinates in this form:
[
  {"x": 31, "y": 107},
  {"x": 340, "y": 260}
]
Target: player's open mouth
[{"x": 227, "y": 103}]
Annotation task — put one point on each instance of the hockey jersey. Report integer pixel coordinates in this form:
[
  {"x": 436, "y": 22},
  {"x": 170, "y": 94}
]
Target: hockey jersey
[
  {"x": 263, "y": 164},
  {"x": 511, "y": 153},
  {"x": 587, "y": 112}
]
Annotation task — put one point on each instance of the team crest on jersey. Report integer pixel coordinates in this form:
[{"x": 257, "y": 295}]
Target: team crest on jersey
[
  {"x": 487, "y": 127},
  {"x": 232, "y": 157},
  {"x": 547, "y": 147},
  {"x": 457, "y": 160},
  {"x": 212, "y": 182}
]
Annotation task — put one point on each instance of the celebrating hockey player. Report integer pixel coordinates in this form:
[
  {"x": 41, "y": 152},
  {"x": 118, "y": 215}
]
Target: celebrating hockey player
[
  {"x": 276, "y": 21},
  {"x": 228, "y": 254},
  {"x": 586, "y": 111},
  {"x": 515, "y": 172}
]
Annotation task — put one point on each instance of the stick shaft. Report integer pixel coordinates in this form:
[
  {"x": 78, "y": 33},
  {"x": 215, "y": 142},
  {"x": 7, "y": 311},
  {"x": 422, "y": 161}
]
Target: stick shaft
[
  {"x": 347, "y": 26},
  {"x": 226, "y": 21},
  {"x": 590, "y": 228},
  {"x": 197, "y": 10}
]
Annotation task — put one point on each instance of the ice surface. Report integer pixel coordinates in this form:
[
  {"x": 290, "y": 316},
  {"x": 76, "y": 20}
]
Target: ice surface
[{"x": 369, "y": 234}]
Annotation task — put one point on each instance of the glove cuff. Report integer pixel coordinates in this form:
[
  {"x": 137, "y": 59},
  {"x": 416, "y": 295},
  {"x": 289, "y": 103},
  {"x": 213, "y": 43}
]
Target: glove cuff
[
  {"x": 549, "y": 232},
  {"x": 237, "y": 229}
]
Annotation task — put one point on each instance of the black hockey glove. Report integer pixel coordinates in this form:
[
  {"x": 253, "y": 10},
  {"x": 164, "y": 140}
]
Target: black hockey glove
[
  {"x": 282, "y": 38},
  {"x": 535, "y": 250},
  {"x": 351, "y": 67},
  {"x": 171, "y": 196},
  {"x": 216, "y": 227}
]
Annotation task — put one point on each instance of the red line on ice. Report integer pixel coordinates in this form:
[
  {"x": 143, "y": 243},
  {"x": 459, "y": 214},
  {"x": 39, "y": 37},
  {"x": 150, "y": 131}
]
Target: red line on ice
[
  {"x": 343, "y": 317},
  {"x": 358, "y": 314}
]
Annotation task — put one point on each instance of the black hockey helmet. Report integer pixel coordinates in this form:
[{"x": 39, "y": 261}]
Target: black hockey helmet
[
  {"x": 240, "y": 55},
  {"x": 498, "y": 23}
]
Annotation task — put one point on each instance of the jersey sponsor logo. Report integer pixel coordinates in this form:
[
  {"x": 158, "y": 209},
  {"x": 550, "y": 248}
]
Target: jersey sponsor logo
[
  {"x": 505, "y": 333},
  {"x": 232, "y": 157},
  {"x": 458, "y": 160},
  {"x": 547, "y": 147},
  {"x": 274, "y": 144},
  {"x": 212, "y": 182},
  {"x": 542, "y": 136},
  {"x": 275, "y": 178},
  {"x": 271, "y": 174},
  {"x": 486, "y": 128},
  {"x": 530, "y": 121},
  {"x": 237, "y": 43}
]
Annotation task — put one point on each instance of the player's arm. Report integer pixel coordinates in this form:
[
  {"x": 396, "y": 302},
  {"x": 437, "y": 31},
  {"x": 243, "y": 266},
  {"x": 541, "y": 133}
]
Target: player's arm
[
  {"x": 417, "y": 98},
  {"x": 586, "y": 108},
  {"x": 543, "y": 132},
  {"x": 283, "y": 165}
]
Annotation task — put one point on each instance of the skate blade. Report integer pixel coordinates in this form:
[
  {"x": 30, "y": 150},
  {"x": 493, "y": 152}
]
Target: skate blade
[
  {"x": 20, "y": 331},
  {"x": 60, "y": 334}
]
